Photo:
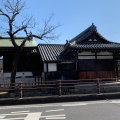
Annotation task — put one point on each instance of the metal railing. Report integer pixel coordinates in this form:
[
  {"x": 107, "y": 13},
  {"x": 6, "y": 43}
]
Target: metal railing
[{"x": 62, "y": 87}]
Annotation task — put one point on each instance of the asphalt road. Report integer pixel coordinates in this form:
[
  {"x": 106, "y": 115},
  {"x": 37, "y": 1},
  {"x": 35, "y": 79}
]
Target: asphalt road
[{"x": 91, "y": 110}]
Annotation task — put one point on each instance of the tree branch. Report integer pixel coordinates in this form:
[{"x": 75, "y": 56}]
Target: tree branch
[
  {"x": 20, "y": 29},
  {"x": 4, "y": 14},
  {"x": 13, "y": 8}
]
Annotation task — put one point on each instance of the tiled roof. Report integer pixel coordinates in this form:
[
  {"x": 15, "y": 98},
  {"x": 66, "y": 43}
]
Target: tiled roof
[
  {"x": 51, "y": 53},
  {"x": 100, "y": 46},
  {"x": 27, "y": 50},
  {"x": 6, "y": 42},
  {"x": 86, "y": 33},
  {"x": 83, "y": 41}
]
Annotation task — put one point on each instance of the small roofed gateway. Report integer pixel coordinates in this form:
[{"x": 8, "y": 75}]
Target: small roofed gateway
[
  {"x": 29, "y": 62},
  {"x": 87, "y": 56}
]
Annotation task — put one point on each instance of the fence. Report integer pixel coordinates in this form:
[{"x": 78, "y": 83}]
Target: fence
[{"x": 61, "y": 87}]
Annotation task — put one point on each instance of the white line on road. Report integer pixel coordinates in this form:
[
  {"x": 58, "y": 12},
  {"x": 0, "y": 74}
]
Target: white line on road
[
  {"x": 14, "y": 114},
  {"x": 74, "y": 104},
  {"x": 1, "y": 117},
  {"x": 54, "y": 110},
  {"x": 27, "y": 106},
  {"x": 20, "y": 112},
  {"x": 62, "y": 116},
  {"x": 12, "y": 119},
  {"x": 57, "y": 118}
]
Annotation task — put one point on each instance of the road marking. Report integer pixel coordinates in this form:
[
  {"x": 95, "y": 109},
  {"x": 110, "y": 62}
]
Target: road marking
[
  {"x": 1, "y": 117},
  {"x": 14, "y": 114},
  {"x": 19, "y": 112},
  {"x": 30, "y": 116},
  {"x": 74, "y": 104},
  {"x": 12, "y": 119},
  {"x": 33, "y": 116},
  {"x": 62, "y": 116},
  {"x": 54, "y": 110},
  {"x": 89, "y": 103},
  {"x": 57, "y": 118},
  {"x": 28, "y": 106}
]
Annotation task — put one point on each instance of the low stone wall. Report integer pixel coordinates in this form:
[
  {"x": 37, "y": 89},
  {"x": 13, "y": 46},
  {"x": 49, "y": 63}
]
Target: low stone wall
[
  {"x": 18, "y": 80},
  {"x": 94, "y": 89},
  {"x": 20, "y": 77}
]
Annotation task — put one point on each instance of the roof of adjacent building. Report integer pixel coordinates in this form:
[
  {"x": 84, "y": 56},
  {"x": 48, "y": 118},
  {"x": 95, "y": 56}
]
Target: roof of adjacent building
[
  {"x": 51, "y": 53},
  {"x": 6, "y": 42}
]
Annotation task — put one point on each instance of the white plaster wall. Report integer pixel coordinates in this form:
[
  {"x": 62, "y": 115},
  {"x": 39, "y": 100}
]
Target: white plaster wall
[
  {"x": 86, "y": 53},
  {"x": 52, "y": 67},
  {"x": 104, "y": 53},
  {"x": 86, "y": 57},
  {"x": 100, "y": 55},
  {"x": 45, "y": 67},
  {"x": 104, "y": 57}
]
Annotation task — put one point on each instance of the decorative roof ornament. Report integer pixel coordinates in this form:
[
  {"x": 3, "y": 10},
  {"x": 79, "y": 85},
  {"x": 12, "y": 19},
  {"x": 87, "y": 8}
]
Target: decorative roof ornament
[
  {"x": 94, "y": 27},
  {"x": 67, "y": 41}
]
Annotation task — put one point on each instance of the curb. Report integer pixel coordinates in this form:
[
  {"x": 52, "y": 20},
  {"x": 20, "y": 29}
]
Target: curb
[{"x": 57, "y": 99}]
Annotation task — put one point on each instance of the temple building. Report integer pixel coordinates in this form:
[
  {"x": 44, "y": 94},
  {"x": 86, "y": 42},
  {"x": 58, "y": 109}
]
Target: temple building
[{"x": 87, "y": 56}]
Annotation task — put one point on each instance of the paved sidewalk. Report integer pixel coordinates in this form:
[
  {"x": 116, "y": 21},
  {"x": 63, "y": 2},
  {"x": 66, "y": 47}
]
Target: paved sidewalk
[{"x": 55, "y": 99}]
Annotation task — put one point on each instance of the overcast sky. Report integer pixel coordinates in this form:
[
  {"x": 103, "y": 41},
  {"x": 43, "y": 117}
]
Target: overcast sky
[{"x": 77, "y": 15}]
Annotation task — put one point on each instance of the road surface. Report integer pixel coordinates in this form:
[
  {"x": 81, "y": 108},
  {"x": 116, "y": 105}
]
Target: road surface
[{"x": 91, "y": 110}]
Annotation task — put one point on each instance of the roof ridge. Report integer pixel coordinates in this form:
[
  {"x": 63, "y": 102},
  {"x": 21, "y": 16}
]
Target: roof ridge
[
  {"x": 10, "y": 38},
  {"x": 91, "y": 28},
  {"x": 49, "y": 44}
]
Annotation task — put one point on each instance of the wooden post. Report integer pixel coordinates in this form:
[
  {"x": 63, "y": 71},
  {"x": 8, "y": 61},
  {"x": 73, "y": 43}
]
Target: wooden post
[
  {"x": 0, "y": 87},
  {"x": 59, "y": 87},
  {"x": 20, "y": 90},
  {"x": 98, "y": 85},
  {"x": 38, "y": 80},
  {"x": 35, "y": 80}
]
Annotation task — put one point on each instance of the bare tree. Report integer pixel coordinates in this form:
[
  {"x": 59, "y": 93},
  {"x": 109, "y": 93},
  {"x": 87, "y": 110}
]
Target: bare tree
[{"x": 10, "y": 11}]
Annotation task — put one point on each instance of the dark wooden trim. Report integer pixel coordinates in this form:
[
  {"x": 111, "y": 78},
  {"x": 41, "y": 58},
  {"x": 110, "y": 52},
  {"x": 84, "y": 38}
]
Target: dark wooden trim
[
  {"x": 46, "y": 67},
  {"x": 97, "y": 74},
  {"x": 95, "y": 55}
]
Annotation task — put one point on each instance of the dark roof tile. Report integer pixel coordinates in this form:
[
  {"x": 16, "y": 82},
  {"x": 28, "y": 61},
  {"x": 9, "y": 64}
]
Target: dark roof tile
[
  {"x": 86, "y": 33},
  {"x": 51, "y": 53},
  {"x": 96, "y": 46}
]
